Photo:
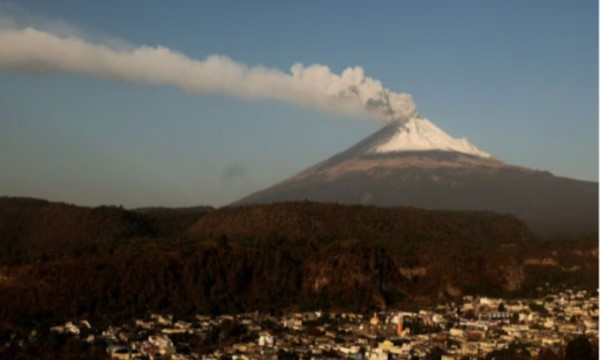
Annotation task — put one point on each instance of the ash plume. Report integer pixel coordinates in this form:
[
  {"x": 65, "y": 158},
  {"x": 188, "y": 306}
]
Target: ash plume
[{"x": 314, "y": 86}]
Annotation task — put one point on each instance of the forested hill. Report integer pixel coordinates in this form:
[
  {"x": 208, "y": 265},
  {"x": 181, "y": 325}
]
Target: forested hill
[
  {"x": 62, "y": 261},
  {"x": 328, "y": 222},
  {"x": 33, "y": 229}
]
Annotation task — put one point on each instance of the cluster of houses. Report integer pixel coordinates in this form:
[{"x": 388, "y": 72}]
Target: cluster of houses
[{"x": 472, "y": 328}]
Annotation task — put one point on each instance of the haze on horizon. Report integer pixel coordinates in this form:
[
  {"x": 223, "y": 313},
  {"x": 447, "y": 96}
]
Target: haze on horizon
[{"x": 519, "y": 80}]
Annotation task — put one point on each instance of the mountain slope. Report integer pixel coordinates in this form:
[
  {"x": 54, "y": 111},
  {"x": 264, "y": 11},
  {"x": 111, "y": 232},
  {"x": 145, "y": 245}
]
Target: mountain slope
[
  {"x": 32, "y": 228},
  {"x": 272, "y": 257},
  {"x": 299, "y": 221},
  {"x": 417, "y": 164},
  {"x": 296, "y": 256}
]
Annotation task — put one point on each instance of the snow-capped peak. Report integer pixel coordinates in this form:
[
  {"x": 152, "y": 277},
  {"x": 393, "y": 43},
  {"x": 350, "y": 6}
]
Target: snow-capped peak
[{"x": 420, "y": 134}]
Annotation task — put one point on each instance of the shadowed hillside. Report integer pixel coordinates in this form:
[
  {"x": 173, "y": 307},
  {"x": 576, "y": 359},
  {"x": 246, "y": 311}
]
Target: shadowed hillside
[
  {"x": 40, "y": 229},
  {"x": 33, "y": 229},
  {"x": 328, "y": 222},
  {"x": 171, "y": 221},
  {"x": 302, "y": 255}
]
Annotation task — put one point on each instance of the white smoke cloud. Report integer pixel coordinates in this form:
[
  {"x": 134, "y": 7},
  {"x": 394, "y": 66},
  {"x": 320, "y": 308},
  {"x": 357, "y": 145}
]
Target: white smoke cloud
[{"x": 315, "y": 86}]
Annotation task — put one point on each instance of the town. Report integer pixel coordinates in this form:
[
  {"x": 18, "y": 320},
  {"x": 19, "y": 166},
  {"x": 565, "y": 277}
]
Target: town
[{"x": 471, "y": 328}]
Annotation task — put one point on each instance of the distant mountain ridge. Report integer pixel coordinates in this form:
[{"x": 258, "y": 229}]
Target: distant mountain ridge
[{"x": 417, "y": 164}]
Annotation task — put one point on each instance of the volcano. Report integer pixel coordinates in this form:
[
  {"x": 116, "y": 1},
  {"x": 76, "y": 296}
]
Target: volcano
[{"x": 417, "y": 164}]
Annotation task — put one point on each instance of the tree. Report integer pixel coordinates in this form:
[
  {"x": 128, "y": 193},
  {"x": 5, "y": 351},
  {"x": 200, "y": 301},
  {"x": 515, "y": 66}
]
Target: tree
[
  {"x": 435, "y": 354},
  {"x": 580, "y": 349},
  {"x": 549, "y": 354}
]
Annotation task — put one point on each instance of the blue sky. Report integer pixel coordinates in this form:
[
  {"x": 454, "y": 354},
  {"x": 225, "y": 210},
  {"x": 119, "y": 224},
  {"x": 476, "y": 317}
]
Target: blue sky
[{"x": 518, "y": 78}]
